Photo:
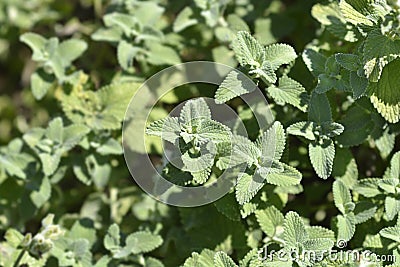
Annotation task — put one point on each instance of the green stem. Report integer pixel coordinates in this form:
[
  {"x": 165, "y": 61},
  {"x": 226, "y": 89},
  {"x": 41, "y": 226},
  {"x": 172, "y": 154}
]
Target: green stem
[{"x": 20, "y": 256}]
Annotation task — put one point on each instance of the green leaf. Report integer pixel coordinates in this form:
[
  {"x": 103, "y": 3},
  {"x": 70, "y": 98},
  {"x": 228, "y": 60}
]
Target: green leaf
[
  {"x": 325, "y": 83},
  {"x": 358, "y": 85},
  {"x": 222, "y": 54},
  {"x": 57, "y": 141},
  {"x": 265, "y": 72},
  {"x": 389, "y": 185},
  {"x": 126, "y": 54},
  {"x": 83, "y": 229},
  {"x": 42, "y": 193},
  {"x": 249, "y": 258},
  {"x": 51, "y": 46},
  {"x": 33, "y": 136},
  {"x": 386, "y": 142},
  {"x": 314, "y": 61},
  {"x": 103, "y": 109},
  {"x": 57, "y": 66},
  {"x": 122, "y": 253},
  {"x": 279, "y": 54},
  {"x": 228, "y": 206},
  {"x": 357, "y": 124},
  {"x": 73, "y": 134},
  {"x": 71, "y": 50},
  {"x": 13, "y": 161},
  {"x": 379, "y": 50},
  {"x": 291, "y": 92},
  {"x": 330, "y": 16},
  {"x": 346, "y": 227},
  {"x": 341, "y": 196},
  {"x": 331, "y": 129},
  {"x": 125, "y": 22},
  {"x": 195, "y": 110},
  {"x": 8, "y": 164},
  {"x": 112, "y": 34},
  {"x": 395, "y": 166},
  {"x": 235, "y": 84},
  {"x": 237, "y": 23},
  {"x": 303, "y": 128},
  {"x": 319, "y": 110},
  {"x": 80, "y": 249},
  {"x": 391, "y": 233},
  {"x": 318, "y": 244},
  {"x": 110, "y": 147},
  {"x": 263, "y": 29},
  {"x": 322, "y": 156},
  {"x": 272, "y": 142},
  {"x": 55, "y": 130},
  {"x": 352, "y": 15},
  {"x": 152, "y": 36},
  {"x": 90, "y": 170},
  {"x": 269, "y": 220},
  {"x": 289, "y": 176},
  {"x": 201, "y": 176},
  {"x": 223, "y": 260},
  {"x": 162, "y": 55},
  {"x": 392, "y": 207},
  {"x": 228, "y": 32},
  {"x": 226, "y": 35},
  {"x": 153, "y": 262},
  {"x": 212, "y": 131},
  {"x": 13, "y": 237},
  {"x": 345, "y": 168},
  {"x": 203, "y": 4},
  {"x": 224, "y": 153},
  {"x": 49, "y": 163},
  {"x": 368, "y": 187},
  {"x": 41, "y": 82},
  {"x": 204, "y": 259},
  {"x": 245, "y": 152},
  {"x": 317, "y": 232},
  {"x": 184, "y": 19},
  {"x": 112, "y": 238},
  {"x": 147, "y": 12},
  {"x": 348, "y": 61},
  {"x": 266, "y": 166},
  {"x": 48, "y": 220},
  {"x": 373, "y": 241},
  {"x": 69, "y": 252},
  {"x": 248, "y": 50},
  {"x": 103, "y": 262},
  {"x": 248, "y": 186},
  {"x": 36, "y": 43},
  {"x": 294, "y": 230},
  {"x": 142, "y": 242},
  {"x": 364, "y": 211},
  {"x": 168, "y": 129},
  {"x": 54, "y": 56},
  {"x": 248, "y": 209},
  {"x": 115, "y": 98},
  {"x": 385, "y": 95},
  {"x": 212, "y": 14}
]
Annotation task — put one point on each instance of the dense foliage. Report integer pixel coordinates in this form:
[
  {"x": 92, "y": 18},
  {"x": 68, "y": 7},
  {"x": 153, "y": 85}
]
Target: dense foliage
[{"x": 329, "y": 70}]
